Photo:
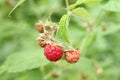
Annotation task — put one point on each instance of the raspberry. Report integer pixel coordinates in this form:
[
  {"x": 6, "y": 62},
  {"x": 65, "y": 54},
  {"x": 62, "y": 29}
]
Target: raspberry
[
  {"x": 42, "y": 43},
  {"x": 72, "y": 56},
  {"x": 53, "y": 52},
  {"x": 39, "y": 27}
]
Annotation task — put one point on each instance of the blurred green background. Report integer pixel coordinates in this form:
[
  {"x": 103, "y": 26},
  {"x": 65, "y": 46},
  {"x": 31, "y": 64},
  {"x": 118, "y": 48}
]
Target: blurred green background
[{"x": 21, "y": 58}]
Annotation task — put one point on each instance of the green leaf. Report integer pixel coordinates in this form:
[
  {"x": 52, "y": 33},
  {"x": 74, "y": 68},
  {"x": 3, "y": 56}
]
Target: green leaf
[
  {"x": 81, "y": 12},
  {"x": 78, "y": 2},
  {"x": 92, "y": 2},
  {"x": 34, "y": 74},
  {"x": 63, "y": 27},
  {"x": 19, "y": 3},
  {"x": 23, "y": 61},
  {"x": 112, "y": 6},
  {"x": 87, "y": 2}
]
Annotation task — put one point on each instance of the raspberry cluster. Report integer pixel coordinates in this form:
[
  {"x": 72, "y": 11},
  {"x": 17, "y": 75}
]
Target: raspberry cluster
[{"x": 52, "y": 51}]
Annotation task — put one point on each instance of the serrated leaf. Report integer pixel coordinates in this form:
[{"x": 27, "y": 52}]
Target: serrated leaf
[
  {"x": 81, "y": 12},
  {"x": 63, "y": 27},
  {"x": 112, "y": 6},
  {"x": 19, "y": 3},
  {"x": 23, "y": 61}
]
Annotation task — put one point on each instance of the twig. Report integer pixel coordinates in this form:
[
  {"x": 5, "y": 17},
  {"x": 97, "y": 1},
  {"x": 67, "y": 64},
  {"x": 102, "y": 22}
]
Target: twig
[{"x": 67, "y": 3}]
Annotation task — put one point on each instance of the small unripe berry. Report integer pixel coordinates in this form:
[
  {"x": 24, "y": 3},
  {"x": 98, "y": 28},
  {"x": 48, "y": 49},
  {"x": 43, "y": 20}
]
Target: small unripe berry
[
  {"x": 72, "y": 56},
  {"x": 53, "y": 52},
  {"x": 42, "y": 43},
  {"x": 48, "y": 28},
  {"x": 39, "y": 27}
]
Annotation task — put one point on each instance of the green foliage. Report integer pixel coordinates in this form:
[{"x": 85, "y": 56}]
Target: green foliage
[
  {"x": 81, "y": 12},
  {"x": 63, "y": 27},
  {"x": 92, "y": 2},
  {"x": 85, "y": 67},
  {"x": 86, "y": 2},
  {"x": 26, "y": 61},
  {"x": 78, "y": 2},
  {"x": 112, "y": 5}
]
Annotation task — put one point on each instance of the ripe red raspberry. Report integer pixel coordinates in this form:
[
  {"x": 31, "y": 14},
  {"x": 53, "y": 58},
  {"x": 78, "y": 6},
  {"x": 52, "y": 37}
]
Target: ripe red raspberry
[
  {"x": 53, "y": 52},
  {"x": 39, "y": 27},
  {"x": 72, "y": 56}
]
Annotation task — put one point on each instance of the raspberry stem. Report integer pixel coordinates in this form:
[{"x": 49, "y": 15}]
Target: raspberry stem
[{"x": 67, "y": 3}]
